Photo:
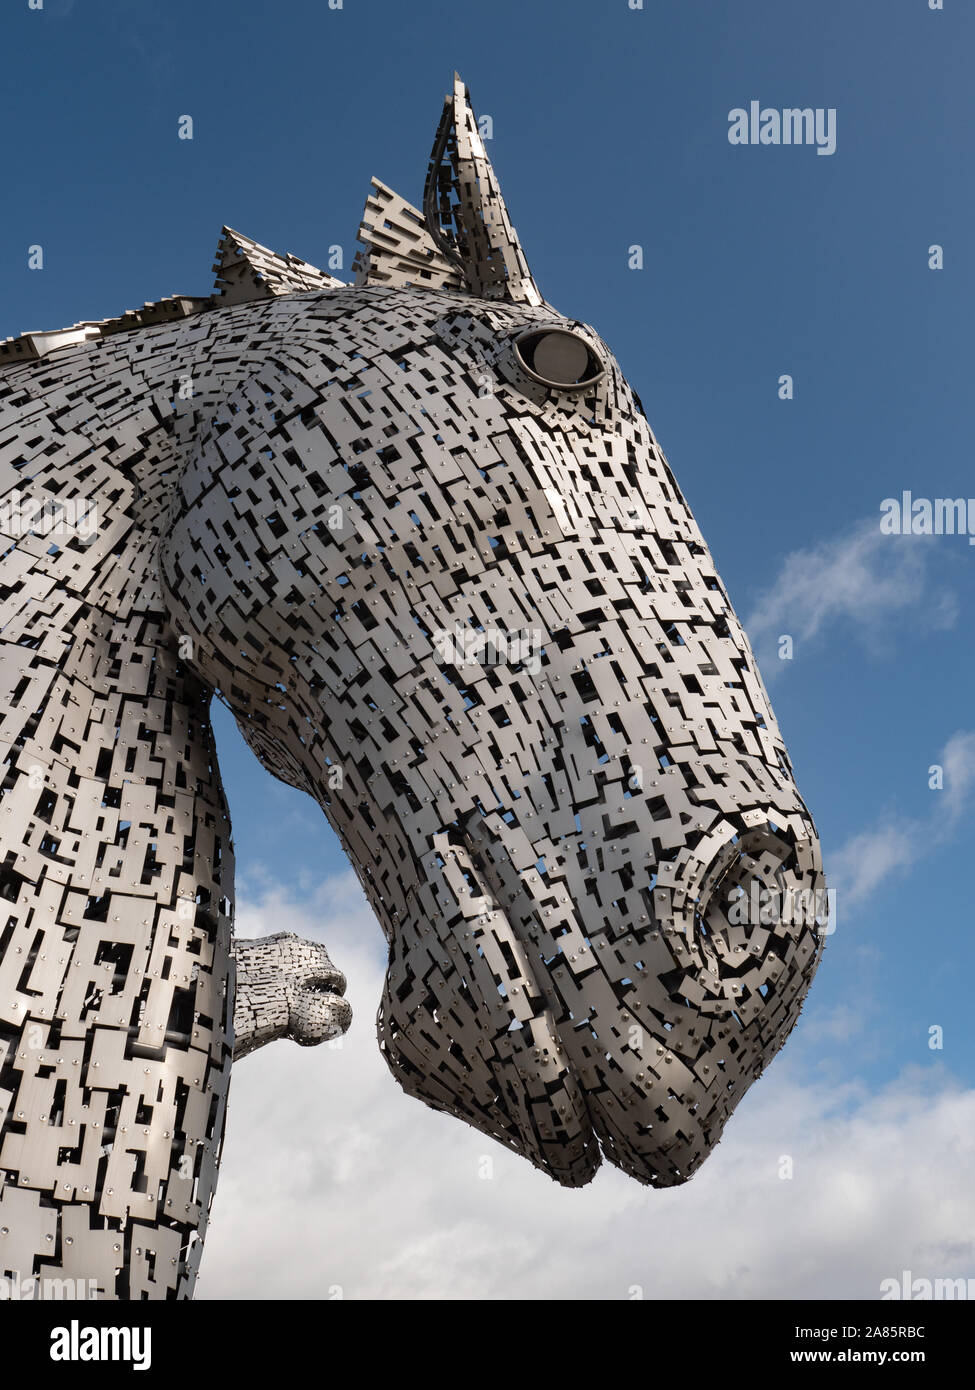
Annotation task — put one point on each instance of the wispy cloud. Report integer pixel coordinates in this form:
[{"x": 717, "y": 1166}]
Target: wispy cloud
[
  {"x": 875, "y": 856},
  {"x": 958, "y": 762},
  {"x": 862, "y": 578},
  {"x": 871, "y": 858}
]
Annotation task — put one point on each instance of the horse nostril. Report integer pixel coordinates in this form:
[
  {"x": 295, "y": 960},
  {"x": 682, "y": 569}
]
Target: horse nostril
[
  {"x": 320, "y": 984},
  {"x": 318, "y": 1010}
]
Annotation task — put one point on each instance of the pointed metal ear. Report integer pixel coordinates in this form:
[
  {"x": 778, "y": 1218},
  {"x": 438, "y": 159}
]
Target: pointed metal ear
[{"x": 465, "y": 212}]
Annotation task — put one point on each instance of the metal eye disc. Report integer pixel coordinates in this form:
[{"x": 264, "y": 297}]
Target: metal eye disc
[
  {"x": 557, "y": 357},
  {"x": 560, "y": 358}
]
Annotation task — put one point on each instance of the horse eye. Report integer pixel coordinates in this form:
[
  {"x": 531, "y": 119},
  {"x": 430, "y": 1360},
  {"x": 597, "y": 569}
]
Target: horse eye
[{"x": 558, "y": 358}]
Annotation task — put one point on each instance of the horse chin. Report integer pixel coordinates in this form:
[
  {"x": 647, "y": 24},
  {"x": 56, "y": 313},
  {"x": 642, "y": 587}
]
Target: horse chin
[{"x": 510, "y": 1077}]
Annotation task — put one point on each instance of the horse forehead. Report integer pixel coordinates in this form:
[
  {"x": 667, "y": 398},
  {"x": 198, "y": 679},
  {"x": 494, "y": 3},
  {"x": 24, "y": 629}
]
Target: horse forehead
[{"x": 448, "y": 326}]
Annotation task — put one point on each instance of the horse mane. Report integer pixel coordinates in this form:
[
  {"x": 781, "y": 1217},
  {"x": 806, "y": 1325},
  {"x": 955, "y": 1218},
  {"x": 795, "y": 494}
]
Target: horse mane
[
  {"x": 396, "y": 251},
  {"x": 245, "y": 271}
]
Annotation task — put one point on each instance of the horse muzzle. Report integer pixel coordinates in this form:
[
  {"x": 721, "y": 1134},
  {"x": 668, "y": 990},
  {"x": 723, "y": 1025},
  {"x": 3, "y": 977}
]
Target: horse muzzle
[{"x": 520, "y": 1004}]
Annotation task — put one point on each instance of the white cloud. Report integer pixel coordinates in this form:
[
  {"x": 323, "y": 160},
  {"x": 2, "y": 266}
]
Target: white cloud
[
  {"x": 958, "y": 761},
  {"x": 839, "y": 1024},
  {"x": 332, "y": 1178},
  {"x": 870, "y": 859},
  {"x": 863, "y": 577}
]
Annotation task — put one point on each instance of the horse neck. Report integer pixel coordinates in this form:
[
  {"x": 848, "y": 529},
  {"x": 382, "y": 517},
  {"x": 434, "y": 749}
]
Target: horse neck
[
  {"x": 115, "y": 827},
  {"x": 100, "y": 430}
]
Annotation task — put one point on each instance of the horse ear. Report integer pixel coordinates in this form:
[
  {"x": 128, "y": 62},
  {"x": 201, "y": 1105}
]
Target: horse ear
[{"x": 465, "y": 213}]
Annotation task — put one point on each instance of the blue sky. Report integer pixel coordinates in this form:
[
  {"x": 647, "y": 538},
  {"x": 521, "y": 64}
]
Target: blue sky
[{"x": 610, "y": 129}]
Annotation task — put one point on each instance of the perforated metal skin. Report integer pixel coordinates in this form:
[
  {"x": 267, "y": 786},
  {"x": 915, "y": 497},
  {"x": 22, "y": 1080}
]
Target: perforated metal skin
[{"x": 467, "y": 611}]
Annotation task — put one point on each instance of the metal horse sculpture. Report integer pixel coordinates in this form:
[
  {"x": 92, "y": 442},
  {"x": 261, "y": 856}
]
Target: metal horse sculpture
[{"x": 419, "y": 536}]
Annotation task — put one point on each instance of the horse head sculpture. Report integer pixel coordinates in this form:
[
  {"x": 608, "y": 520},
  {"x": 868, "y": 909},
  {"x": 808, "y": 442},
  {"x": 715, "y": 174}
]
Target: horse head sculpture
[{"x": 418, "y": 535}]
